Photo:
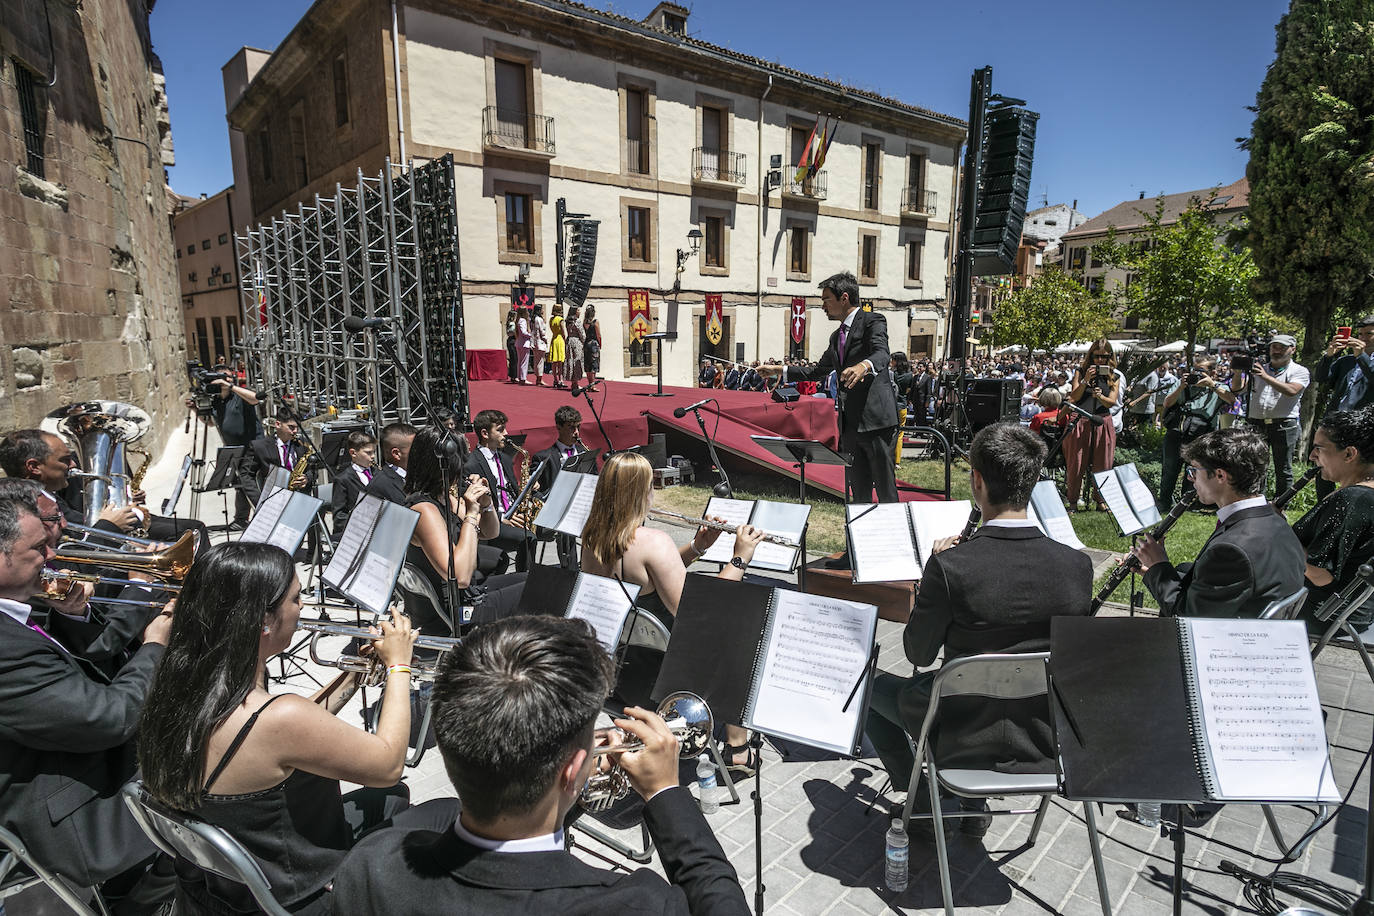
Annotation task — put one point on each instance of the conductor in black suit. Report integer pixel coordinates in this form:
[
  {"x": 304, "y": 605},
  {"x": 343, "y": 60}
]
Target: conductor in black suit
[
  {"x": 519, "y": 750},
  {"x": 390, "y": 480},
  {"x": 65, "y": 735},
  {"x": 1251, "y": 559},
  {"x": 989, "y": 594},
  {"x": 867, "y": 396}
]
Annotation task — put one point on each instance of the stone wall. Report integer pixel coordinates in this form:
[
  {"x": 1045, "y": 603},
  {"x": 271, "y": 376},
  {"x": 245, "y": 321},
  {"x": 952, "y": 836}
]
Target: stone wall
[{"x": 89, "y": 304}]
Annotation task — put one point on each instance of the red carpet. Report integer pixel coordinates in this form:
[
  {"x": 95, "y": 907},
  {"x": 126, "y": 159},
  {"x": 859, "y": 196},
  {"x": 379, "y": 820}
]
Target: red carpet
[{"x": 627, "y": 412}]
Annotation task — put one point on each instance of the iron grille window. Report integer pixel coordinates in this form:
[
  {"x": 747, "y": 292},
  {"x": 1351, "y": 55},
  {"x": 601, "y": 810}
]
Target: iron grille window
[{"x": 33, "y": 125}]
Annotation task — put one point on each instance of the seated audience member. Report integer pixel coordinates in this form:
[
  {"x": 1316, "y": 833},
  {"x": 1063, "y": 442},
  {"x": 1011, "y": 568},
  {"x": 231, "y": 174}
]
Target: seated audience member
[
  {"x": 389, "y": 482},
  {"x": 66, "y": 736},
  {"x": 1049, "y": 402},
  {"x": 1252, "y": 559},
  {"x": 514, "y": 711},
  {"x": 972, "y": 600},
  {"x": 446, "y": 536},
  {"x": 616, "y": 542},
  {"x": 353, "y": 481},
  {"x": 214, "y": 743},
  {"x": 1338, "y": 532}
]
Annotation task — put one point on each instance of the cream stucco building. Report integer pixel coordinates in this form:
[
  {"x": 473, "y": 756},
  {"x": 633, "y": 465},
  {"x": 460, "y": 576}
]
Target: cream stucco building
[{"x": 635, "y": 124}]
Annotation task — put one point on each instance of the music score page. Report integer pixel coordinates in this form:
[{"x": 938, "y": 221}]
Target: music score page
[
  {"x": 881, "y": 546},
  {"x": 817, "y": 649},
  {"x": 1261, "y": 715},
  {"x": 604, "y": 604}
]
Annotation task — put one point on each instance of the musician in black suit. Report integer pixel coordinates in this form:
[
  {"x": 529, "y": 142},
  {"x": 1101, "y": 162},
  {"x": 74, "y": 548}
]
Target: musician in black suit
[
  {"x": 982, "y": 596},
  {"x": 1251, "y": 559},
  {"x": 867, "y": 397},
  {"x": 390, "y": 480},
  {"x": 519, "y": 751},
  {"x": 566, "y": 449},
  {"x": 490, "y": 460},
  {"x": 354, "y": 479},
  {"x": 65, "y": 735},
  {"x": 282, "y": 450}
]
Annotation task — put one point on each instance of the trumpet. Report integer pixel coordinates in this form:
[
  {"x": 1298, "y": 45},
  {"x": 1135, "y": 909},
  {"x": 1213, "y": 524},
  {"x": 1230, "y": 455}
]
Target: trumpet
[
  {"x": 669, "y": 517},
  {"x": 688, "y": 718},
  {"x": 370, "y": 667}
]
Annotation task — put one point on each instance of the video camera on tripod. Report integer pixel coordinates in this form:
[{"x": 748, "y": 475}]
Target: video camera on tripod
[
  {"x": 1256, "y": 349},
  {"x": 203, "y": 381}
]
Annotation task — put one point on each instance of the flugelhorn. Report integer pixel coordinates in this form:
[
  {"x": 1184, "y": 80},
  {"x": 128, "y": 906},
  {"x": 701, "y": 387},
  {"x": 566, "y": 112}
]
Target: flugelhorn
[
  {"x": 370, "y": 667},
  {"x": 686, "y": 521},
  {"x": 688, "y": 718},
  {"x": 172, "y": 562}
]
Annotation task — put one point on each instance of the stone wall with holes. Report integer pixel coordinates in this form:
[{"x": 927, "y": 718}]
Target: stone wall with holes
[{"x": 89, "y": 304}]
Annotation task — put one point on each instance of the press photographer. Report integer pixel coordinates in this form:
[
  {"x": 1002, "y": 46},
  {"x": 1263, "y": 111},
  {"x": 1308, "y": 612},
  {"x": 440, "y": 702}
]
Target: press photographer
[
  {"x": 1347, "y": 371},
  {"x": 216, "y": 394},
  {"x": 1274, "y": 401},
  {"x": 1191, "y": 409}
]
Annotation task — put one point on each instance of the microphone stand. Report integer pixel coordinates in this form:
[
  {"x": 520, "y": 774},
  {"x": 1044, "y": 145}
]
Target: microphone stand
[
  {"x": 606, "y": 437},
  {"x": 723, "y": 488},
  {"x": 446, "y": 450}
]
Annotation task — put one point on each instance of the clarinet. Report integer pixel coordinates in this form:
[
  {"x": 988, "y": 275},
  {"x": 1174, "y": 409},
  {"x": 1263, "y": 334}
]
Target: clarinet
[
  {"x": 974, "y": 517},
  {"x": 1283, "y": 499},
  {"x": 1132, "y": 562}
]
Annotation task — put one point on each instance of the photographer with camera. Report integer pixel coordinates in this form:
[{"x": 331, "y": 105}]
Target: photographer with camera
[
  {"x": 1091, "y": 445},
  {"x": 1347, "y": 371},
  {"x": 1275, "y": 401},
  {"x": 1191, "y": 409},
  {"x": 232, "y": 407}
]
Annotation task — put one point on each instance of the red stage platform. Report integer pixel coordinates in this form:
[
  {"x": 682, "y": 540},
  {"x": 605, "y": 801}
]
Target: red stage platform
[{"x": 628, "y": 411}]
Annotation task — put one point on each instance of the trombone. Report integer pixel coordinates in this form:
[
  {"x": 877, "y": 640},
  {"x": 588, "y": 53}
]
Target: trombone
[
  {"x": 370, "y": 667},
  {"x": 56, "y": 585},
  {"x": 171, "y": 561}
]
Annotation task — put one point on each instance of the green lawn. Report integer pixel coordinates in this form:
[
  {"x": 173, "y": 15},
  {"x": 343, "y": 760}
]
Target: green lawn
[{"x": 826, "y": 531}]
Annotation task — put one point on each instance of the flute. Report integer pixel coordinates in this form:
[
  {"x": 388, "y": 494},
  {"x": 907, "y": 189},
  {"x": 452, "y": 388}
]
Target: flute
[
  {"x": 1132, "y": 562},
  {"x": 686, "y": 521},
  {"x": 1283, "y": 499}
]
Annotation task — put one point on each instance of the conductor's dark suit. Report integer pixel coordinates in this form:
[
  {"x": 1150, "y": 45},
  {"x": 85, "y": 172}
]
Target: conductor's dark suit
[
  {"x": 66, "y": 747},
  {"x": 988, "y": 594},
  {"x": 1252, "y": 558},
  {"x": 868, "y": 411},
  {"x": 423, "y": 872},
  {"x": 389, "y": 485}
]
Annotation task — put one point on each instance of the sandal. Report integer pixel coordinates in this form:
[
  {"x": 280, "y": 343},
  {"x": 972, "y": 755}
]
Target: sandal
[{"x": 743, "y": 770}]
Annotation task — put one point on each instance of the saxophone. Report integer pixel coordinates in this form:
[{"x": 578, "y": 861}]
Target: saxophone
[
  {"x": 297, "y": 481},
  {"x": 525, "y": 513}
]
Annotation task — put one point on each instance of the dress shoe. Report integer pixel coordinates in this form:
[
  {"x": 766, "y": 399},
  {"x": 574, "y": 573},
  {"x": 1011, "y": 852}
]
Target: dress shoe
[{"x": 976, "y": 827}]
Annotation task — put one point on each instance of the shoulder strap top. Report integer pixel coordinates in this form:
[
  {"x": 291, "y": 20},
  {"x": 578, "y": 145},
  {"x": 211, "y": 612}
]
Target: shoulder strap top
[{"x": 237, "y": 743}]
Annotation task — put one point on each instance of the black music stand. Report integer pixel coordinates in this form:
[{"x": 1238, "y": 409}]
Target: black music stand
[
  {"x": 227, "y": 459},
  {"x": 801, "y": 452},
  {"x": 659, "y": 336}
]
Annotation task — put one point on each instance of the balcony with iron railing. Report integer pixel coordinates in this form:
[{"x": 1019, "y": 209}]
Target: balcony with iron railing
[
  {"x": 518, "y": 132},
  {"x": 717, "y": 166},
  {"x": 637, "y": 157},
  {"x": 919, "y": 200},
  {"x": 811, "y": 187}
]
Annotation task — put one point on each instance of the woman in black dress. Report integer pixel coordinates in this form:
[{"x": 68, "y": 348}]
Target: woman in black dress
[{"x": 1339, "y": 531}]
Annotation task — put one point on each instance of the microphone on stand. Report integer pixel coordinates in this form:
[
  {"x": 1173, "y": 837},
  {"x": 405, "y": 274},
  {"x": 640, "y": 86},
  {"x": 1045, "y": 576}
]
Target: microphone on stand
[
  {"x": 577, "y": 389},
  {"x": 1092, "y": 418},
  {"x": 355, "y": 325},
  {"x": 681, "y": 412}
]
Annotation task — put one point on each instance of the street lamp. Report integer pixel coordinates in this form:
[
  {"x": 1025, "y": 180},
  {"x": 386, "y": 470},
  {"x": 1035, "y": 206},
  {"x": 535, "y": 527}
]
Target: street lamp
[{"x": 694, "y": 239}]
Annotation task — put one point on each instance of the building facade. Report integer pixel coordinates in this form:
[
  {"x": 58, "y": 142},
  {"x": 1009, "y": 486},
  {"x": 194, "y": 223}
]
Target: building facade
[
  {"x": 90, "y": 304},
  {"x": 653, "y": 133},
  {"x": 202, "y": 230}
]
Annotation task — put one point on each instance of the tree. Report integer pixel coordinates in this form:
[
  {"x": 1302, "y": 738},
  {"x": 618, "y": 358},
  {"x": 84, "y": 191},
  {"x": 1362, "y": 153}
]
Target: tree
[
  {"x": 1311, "y": 168},
  {"x": 1053, "y": 310},
  {"x": 1186, "y": 281}
]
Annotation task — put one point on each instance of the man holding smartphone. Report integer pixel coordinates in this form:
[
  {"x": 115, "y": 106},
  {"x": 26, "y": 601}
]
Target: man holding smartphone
[{"x": 1348, "y": 370}]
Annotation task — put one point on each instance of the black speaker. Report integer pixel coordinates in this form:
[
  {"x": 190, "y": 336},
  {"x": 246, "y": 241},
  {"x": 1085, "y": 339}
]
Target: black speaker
[
  {"x": 786, "y": 394},
  {"x": 991, "y": 399},
  {"x": 656, "y": 451}
]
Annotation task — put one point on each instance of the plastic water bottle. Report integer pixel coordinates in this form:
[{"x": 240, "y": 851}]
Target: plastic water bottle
[
  {"x": 1147, "y": 814},
  {"x": 898, "y": 848},
  {"x": 706, "y": 785}
]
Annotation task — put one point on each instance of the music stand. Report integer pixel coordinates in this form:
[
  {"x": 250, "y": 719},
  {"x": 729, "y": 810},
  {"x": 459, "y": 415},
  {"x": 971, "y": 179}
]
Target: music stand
[
  {"x": 801, "y": 452},
  {"x": 334, "y": 451},
  {"x": 659, "y": 336},
  {"x": 227, "y": 459}
]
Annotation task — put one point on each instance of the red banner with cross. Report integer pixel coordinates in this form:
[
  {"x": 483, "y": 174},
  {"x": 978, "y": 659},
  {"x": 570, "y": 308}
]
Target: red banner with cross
[
  {"x": 641, "y": 323},
  {"x": 798, "y": 323},
  {"x": 715, "y": 317}
]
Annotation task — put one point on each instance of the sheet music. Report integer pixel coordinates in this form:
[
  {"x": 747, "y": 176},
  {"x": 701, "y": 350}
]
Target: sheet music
[
  {"x": 935, "y": 520},
  {"x": 568, "y": 503},
  {"x": 265, "y": 518},
  {"x": 880, "y": 544},
  {"x": 786, "y": 519},
  {"x": 736, "y": 512},
  {"x": 817, "y": 649},
  {"x": 1115, "y": 497},
  {"x": 276, "y": 479},
  {"x": 602, "y": 602},
  {"x": 369, "y": 555},
  {"x": 1049, "y": 513},
  {"x": 1261, "y": 714},
  {"x": 1138, "y": 495}
]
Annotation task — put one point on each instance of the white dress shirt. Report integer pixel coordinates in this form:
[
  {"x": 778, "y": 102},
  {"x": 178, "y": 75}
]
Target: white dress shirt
[
  {"x": 1249, "y": 502},
  {"x": 1268, "y": 403},
  {"x": 549, "y": 842},
  {"x": 16, "y": 609}
]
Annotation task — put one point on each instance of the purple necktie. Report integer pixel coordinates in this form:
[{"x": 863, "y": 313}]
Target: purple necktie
[
  {"x": 844, "y": 339},
  {"x": 44, "y": 633},
  {"x": 367, "y": 472},
  {"x": 501, "y": 482},
  {"x": 286, "y": 455}
]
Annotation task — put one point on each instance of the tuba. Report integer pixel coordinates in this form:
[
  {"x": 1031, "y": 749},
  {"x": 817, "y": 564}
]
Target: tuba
[{"x": 101, "y": 431}]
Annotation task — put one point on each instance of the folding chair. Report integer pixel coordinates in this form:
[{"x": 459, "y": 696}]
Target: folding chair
[
  {"x": 207, "y": 847},
  {"x": 13, "y": 880},
  {"x": 994, "y": 677},
  {"x": 1284, "y": 608}
]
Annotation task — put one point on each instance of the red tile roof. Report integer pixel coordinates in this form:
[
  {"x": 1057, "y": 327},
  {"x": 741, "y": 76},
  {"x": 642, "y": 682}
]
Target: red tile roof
[{"x": 1131, "y": 214}]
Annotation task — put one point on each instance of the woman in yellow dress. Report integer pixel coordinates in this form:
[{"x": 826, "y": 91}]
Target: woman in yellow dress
[{"x": 558, "y": 347}]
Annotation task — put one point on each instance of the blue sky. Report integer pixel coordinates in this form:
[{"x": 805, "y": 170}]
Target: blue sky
[{"x": 1132, "y": 96}]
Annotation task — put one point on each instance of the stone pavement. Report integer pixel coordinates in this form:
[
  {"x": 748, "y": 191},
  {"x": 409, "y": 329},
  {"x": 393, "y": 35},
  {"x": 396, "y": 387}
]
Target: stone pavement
[{"x": 823, "y": 848}]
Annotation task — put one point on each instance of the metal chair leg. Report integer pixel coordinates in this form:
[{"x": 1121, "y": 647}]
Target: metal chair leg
[
  {"x": 1103, "y": 895},
  {"x": 419, "y": 751},
  {"x": 1039, "y": 820},
  {"x": 941, "y": 852}
]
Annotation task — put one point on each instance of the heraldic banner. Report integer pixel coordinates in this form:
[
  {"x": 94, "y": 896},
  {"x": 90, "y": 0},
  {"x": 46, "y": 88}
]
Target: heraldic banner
[
  {"x": 641, "y": 322},
  {"x": 715, "y": 318},
  {"x": 798, "y": 323}
]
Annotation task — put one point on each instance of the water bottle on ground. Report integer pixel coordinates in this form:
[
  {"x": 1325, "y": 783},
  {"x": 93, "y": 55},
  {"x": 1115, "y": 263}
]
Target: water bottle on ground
[
  {"x": 706, "y": 785},
  {"x": 1147, "y": 814},
  {"x": 898, "y": 847}
]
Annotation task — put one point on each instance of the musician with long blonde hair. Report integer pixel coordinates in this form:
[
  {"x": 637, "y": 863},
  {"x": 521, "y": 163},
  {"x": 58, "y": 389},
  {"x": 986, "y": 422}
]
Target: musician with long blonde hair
[{"x": 615, "y": 542}]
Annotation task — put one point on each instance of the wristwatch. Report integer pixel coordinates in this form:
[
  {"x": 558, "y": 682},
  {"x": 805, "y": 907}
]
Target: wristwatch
[{"x": 738, "y": 563}]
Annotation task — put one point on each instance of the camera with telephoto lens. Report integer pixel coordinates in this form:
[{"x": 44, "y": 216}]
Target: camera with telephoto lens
[
  {"x": 203, "y": 380},
  {"x": 1256, "y": 350}
]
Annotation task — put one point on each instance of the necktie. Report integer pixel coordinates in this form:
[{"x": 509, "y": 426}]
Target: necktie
[
  {"x": 286, "y": 455},
  {"x": 571, "y": 451},
  {"x": 501, "y": 482},
  {"x": 44, "y": 633},
  {"x": 844, "y": 339},
  {"x": 367, "y": 472}
]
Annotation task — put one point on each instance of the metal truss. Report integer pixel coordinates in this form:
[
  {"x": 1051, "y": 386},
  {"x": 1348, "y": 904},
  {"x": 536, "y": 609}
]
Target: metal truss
[{"x": 386, "y": 248}]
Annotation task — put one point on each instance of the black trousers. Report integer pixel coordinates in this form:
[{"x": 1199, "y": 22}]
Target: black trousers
[{"x": 870, "y": 454}]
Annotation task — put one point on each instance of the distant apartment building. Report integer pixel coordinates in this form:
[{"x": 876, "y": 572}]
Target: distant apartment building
[
  {"x": 202, "y": 230},
  {"x": 635, "y": 123}
]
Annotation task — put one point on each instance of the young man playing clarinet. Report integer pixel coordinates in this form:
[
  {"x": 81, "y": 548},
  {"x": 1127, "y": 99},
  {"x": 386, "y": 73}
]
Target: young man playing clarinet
[{"x": 1253, "y": 558}]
